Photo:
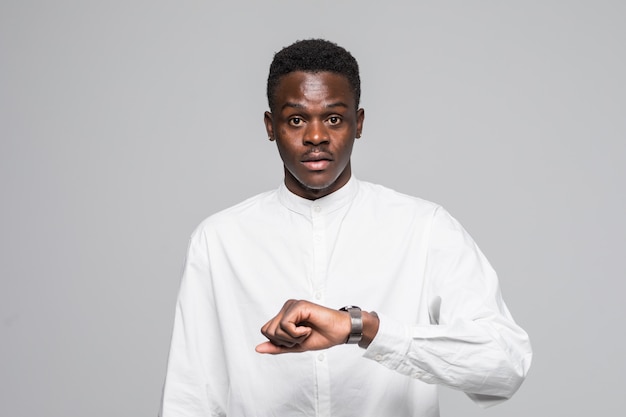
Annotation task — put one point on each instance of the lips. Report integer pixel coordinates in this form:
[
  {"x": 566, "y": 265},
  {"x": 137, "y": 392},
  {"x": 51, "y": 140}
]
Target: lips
[{"x": 317, "y": 161}]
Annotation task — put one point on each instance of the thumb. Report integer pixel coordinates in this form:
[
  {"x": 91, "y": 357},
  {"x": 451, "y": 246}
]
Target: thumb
[{"x": 272, "y": 349}]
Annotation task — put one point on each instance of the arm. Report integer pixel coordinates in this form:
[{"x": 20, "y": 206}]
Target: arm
[
  {"x": 301, "y": 326},
  {"x": 472, "y": 343},
  {"x": 196, "y": 382}
]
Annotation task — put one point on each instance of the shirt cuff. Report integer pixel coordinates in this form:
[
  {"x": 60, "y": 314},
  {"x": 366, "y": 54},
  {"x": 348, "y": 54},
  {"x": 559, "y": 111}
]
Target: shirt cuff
[{"x": 390, "y": 345}]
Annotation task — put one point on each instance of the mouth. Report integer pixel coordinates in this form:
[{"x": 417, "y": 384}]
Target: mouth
[{"x": 317, "y": 161}]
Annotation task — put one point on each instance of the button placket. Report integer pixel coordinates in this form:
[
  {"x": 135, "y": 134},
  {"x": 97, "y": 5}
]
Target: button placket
[
  {"x": 320, "y": 266},
  {"x": 320, "y": 261}
]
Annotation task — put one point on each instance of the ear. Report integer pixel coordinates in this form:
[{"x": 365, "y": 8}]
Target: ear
[
  {"x": 360, "y": 116},
  {"x": 269, "y": 125}
]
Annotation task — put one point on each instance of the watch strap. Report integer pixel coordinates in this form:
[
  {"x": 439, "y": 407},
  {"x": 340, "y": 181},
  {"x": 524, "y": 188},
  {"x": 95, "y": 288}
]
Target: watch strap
[{"x": 356, "y": 321}]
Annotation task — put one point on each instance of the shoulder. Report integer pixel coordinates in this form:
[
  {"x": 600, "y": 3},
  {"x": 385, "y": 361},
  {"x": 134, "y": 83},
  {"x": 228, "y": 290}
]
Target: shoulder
[
  {"x": 391, "y": 200},
  {"x": 251, "y": 208},
  {"x": 438, "y": 225}
]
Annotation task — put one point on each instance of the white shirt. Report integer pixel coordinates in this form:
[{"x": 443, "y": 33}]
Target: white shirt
[{"x": 442, "y": 318}]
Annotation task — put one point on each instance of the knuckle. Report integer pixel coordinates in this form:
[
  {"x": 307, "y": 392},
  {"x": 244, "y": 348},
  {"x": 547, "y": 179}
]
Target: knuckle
[{"x": 283, "y": 325}]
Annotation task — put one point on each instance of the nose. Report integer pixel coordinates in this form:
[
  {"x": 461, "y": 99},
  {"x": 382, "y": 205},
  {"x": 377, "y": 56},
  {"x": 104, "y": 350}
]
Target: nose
[{"x": 316, "y": 133}]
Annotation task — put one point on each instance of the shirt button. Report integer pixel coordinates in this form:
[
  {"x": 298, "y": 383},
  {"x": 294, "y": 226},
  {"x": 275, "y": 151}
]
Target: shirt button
[
  {"x": 317, "y": 209},
  {"x": 379, "y": 357},
  {"x": 318, "y": 295},
  {"x": 321, "y": 357}
]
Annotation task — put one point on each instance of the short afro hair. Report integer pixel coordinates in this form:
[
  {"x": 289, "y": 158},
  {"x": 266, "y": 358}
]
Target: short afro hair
[{"x": 313, "y": 55}]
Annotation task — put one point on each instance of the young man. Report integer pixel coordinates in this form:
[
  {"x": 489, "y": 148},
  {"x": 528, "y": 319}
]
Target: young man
[{"x": 323, "y": 240}]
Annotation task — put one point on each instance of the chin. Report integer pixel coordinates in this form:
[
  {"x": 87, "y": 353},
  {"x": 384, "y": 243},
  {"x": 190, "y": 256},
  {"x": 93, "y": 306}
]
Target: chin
[
  {"x": 317, "y": 185},
  {"x": 314, "y": 185}
]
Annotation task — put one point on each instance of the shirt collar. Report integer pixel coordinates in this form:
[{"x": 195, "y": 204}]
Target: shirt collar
[{"x": 324, "y": 205}]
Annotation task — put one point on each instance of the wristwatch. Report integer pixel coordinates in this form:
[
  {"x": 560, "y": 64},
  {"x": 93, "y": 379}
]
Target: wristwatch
[{"x": 356, "y": 330}]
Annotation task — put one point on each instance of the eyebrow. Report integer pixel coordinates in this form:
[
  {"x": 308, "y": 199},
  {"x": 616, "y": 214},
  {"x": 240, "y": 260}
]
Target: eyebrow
[{"x": 301, "y": 106}]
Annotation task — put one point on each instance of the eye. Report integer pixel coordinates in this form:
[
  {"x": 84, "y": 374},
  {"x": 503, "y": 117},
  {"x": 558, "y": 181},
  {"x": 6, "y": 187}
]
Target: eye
[
  {"x": 295, "y": 121},
  {"x": 334, "y": 120}
]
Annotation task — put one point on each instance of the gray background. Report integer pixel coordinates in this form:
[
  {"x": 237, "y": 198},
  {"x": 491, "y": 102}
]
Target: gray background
[{"x": 124, "y": 123}]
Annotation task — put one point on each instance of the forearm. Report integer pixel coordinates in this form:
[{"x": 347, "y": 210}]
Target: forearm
[{"x": 477, "y": 358}]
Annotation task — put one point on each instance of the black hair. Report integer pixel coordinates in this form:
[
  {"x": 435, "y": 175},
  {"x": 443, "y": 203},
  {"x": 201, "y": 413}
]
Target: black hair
[{"x": 313, "y": 55}]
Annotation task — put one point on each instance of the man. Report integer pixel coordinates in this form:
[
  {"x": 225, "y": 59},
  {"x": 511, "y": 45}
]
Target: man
[{"x": 323, "y": 240}]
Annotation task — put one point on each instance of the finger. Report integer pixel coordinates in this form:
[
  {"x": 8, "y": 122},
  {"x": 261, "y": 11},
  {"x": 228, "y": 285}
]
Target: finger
[
  {"x": 281, "y": 341},
  {"x": 293, "y": 330},
  {"x": 272, "y": 349},
  {"x": 267, "y": 328},
  {"x": 289, "y": 338},
  {"x": 284, "y": 329}
]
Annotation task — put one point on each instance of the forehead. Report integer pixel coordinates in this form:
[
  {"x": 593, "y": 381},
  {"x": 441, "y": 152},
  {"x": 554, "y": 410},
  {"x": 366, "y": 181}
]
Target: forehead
[{"x": 314, "y": 86}]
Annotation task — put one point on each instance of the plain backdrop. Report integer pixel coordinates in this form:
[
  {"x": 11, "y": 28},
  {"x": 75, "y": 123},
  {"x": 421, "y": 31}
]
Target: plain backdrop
[{"x": 123, "y": 124}]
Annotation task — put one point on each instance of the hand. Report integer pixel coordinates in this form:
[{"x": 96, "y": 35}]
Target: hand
[{"x": 301, "y": 326}]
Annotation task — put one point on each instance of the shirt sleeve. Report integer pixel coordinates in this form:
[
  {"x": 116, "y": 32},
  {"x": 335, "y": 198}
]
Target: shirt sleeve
[
  {"x": 472, "y": 343},
  {"x": 196, "y": 382}
]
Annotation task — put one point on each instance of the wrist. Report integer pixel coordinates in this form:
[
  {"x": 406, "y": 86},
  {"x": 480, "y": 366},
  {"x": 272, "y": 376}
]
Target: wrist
[{"x": 370, "y": 328}]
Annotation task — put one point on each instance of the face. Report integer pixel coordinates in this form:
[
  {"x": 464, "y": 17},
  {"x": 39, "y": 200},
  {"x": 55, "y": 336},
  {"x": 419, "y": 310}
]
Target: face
[{"x": 314, "y": 123}]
